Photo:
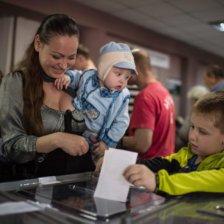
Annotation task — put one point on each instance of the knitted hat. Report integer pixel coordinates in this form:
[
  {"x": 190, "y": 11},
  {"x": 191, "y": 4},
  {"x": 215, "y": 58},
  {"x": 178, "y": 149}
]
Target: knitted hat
[{"x": 115, "y": 55}]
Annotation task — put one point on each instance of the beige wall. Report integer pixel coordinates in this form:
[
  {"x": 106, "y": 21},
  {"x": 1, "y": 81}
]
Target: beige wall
[
  {"x": 25, "y": 31},
  {"x": 6, "y": 42}
]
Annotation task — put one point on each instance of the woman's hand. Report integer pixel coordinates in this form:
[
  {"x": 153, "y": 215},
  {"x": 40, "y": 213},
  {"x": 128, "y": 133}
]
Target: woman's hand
[
  {"x": 140, "y": 175},
  {"x": 72, "y": 144}
]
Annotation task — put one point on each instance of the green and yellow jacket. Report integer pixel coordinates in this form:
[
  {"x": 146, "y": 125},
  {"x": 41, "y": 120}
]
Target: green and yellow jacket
[{"x": 173, "y": 179}]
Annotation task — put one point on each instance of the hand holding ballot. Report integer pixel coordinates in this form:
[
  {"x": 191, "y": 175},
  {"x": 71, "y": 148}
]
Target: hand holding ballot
[
  {"x": 141, "y": 176},
  {"x": 112, "y": 185}
]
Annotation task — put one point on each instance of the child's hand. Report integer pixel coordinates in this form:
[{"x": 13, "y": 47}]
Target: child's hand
[
  {"x": 64, "y": 81},
  {"x": 140, "y": 175}
]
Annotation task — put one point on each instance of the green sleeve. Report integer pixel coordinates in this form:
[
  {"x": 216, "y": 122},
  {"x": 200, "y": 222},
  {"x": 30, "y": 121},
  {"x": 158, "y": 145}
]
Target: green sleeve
[
  {"x": 172, "y": 163},
  {"x": 196, "y": 181}
]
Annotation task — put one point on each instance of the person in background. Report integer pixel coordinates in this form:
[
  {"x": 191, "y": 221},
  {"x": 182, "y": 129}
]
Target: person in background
[
  {"x": 40, "y": 129},
  {"x": 181, "y": 139},
  {"x": 196, "y": 168},
  {"x": 152, "y": 123},
  {"x": 214, "y": 77},
  {"x": 102, "y": 96},
  {"x": 83, "y": 60}
]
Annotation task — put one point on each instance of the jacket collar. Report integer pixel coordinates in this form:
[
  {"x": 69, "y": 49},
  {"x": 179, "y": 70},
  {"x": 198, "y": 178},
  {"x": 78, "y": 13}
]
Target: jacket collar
[{"x": 103, "y": 91}]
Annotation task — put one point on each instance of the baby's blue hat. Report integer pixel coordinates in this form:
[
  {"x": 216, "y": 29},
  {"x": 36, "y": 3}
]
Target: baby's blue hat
[{"x": 121, "y": 57}]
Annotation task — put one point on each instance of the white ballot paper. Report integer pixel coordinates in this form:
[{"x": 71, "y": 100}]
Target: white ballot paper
[{"x": 111, "y": 184}]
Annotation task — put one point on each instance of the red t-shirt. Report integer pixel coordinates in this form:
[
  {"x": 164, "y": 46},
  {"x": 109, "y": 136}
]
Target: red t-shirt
[{"x": 154, "y": 109}]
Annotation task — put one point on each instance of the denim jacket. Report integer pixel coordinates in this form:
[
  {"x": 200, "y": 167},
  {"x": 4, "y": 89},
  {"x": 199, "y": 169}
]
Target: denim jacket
[{"x": 105, "y": 112}]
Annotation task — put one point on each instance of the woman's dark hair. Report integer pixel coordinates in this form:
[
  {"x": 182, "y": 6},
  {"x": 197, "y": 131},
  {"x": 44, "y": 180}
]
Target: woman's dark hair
[{"x": 33, "y": 94}]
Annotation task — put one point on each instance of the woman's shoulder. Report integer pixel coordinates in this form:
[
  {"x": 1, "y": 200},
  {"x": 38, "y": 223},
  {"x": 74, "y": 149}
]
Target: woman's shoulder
[
  {"x": 11, "y": 91},
  {"x": 13, "y": 77},
  {"x": 12, "y": 81}
]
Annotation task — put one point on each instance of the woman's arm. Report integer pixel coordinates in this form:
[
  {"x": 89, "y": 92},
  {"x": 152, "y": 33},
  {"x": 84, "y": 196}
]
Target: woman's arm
[
  {"x": 72, "y": 144},
  {"x": 17, "y": 145}
]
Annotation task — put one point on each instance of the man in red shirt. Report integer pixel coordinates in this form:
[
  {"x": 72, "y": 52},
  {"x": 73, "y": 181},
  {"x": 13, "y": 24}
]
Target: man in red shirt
[{"x": 152, "y": 125}]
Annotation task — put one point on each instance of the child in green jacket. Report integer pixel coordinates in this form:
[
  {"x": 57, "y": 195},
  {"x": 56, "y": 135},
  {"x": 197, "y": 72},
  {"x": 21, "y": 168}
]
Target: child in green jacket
[{"x": 196, "y": 168}]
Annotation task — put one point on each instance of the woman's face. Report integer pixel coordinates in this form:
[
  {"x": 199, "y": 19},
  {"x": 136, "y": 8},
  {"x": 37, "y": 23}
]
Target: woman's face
[{"x": 57, "y": 56}]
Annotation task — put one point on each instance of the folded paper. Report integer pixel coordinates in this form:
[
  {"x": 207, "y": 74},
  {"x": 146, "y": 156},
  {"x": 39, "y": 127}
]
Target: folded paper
[{"x": 111, "y": 184}]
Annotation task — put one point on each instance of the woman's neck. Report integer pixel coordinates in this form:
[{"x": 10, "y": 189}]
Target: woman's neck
[{"x": 46, "y": 78}]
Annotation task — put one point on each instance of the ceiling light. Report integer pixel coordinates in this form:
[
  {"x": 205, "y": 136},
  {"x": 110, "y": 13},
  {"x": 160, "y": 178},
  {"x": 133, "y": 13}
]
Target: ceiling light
[{"x": 219, "y": 25}]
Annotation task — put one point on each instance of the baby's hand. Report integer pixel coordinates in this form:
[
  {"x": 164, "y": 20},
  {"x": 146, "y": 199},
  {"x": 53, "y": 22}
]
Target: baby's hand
[
  {"x": 100, "y": 148},
  {"x": 64, "y": 81}
]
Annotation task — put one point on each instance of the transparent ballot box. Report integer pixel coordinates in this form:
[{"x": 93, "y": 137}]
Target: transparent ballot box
[
  {"x": 78, "y": 197},
  {"x": 73, "y": 197}
]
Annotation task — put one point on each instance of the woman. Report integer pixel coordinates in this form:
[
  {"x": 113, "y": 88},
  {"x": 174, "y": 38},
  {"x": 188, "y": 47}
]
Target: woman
[{"x": 35, "y": 116}]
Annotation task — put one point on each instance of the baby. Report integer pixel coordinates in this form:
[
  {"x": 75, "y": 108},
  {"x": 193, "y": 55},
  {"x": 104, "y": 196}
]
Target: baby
[{"x": 102, "y": 95}]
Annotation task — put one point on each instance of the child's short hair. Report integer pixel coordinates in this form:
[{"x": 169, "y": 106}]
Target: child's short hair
[{"x": 212, "y": 104}]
